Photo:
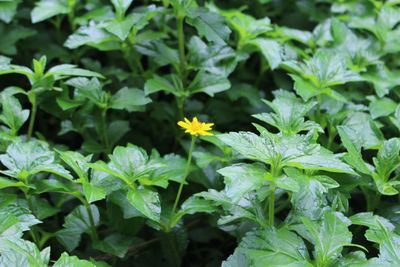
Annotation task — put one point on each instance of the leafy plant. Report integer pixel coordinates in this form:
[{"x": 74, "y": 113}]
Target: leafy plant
[{"x": 293, "y": 155}]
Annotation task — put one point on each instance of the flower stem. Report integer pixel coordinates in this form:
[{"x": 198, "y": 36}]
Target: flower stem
[
  {"x": 32, "y": 100},
  {"x": 189, "y": 161}
]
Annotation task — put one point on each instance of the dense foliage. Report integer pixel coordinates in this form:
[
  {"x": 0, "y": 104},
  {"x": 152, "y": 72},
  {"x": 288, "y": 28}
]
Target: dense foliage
[{"x": 199, "y": 133}]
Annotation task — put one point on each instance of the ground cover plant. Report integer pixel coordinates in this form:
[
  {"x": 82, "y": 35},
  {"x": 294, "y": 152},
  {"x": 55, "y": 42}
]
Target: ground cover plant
[{"x": 199, "y": 133}]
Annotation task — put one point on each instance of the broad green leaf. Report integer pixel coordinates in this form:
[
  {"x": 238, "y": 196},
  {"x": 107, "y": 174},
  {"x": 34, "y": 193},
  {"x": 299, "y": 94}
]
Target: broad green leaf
[
  {"x": 388, "y": 158},
  {"x": 147, "y": 202},
  {"x": 17, "y": 252},
  {"x": 11, "y": 35},
  {"x": 381, "y": 107},
  {"x": 380, "y": 231},
  {"x": 130, "y": 99},
  {"x": 128, "y": 164},
  {"x": 325, "y": 162},
  {"x": 45, "y": 9},
  {"x": 116, "y": 244},
  {"x": 68, "y": 261},
  {"x": 26, "y": 159},
  {"x": 93, "y": 35},
  {"x": 8, "y": 9},
  {"x": 271, "y": 247},
  {"x": 329, "y": 236},
  {"x": 67, "y": 70},
  {"x": 12, "y": 113},
  {"x": 209, "y": 24},
  {"x": 249, "y": 145},
  {"x": 92, "y": 89},
  {"x": 77, "y": 162},
  {"x": 353, "y": 156},
  {"x": 120, "y": 28},
  {"x": 243, "y": 178},
  {"x": 289, "y": 112},
  {"x": 171, "y": 84},
  {"x": 16, "y": 219},
  {"x": 364, "y": 131},
  {"x": 383, "y": 79},
  {"x": 209, "y": 84},
  {"x": 93, "y": 192},
  {"x": 76, "y": 223},
  {"x": 270, "y": 49},
  {"x": 247, "y": 26},
  {"x": 216, "y": 59},
  {"x": 121, "y": 6}
]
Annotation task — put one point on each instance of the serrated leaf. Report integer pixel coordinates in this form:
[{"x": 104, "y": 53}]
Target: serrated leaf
[
  {"x": 25, "y": 159},
  {"x": 76, "y": 223},
  {"x": 45, "y": 9},
  {"x": 67, "y": 261},
  {"x": 209, "y": 24},
  {"x": 147, "y": 202}
]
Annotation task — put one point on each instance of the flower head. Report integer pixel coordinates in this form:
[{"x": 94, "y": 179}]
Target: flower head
[{"x": 195, "y": 127}]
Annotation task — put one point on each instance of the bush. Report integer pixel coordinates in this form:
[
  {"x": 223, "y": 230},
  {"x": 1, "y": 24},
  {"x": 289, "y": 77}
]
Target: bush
[{"x": 199, "y": 133}]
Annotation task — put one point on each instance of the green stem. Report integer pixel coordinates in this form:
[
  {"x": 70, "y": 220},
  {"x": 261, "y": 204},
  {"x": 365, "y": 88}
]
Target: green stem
[
  {"x": 71, "y": 14},
  {"x": 32, "y": 100},
  {"x": 271, "y": 204},
  {"x": 104, "y": 130},
  {"x": 93, "y": 230},
  {"x": 189, "y": 161},
  {"x": 181, "y": 48},
  {"x": 181, "y": 104},
  {"x": 331, "y": 137}
]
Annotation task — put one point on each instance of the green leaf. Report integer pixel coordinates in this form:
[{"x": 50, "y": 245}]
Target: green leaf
[
  {"x": 92, "y": 35},
  {"x": 17, "y": 252},
  {"x": 270, "y": 247},
  {"x": 289, "y": 113},
  {"x": 147, "y": 202},
  {"x": 45, "y": 9},
  {"x": 383, "y": 79},
  {"x": 249, "y": 145},
  {"x": 16, "y": 219},
  {"x": 121, "y": 6},
  {"x": 241, "y": 179},
  {"x": 353, "y": 156},
  {"x": 67, "y": 261},
  {"x": 76, "y": 223},
  {"x": 270, "y": 49},
  {"x": 364, "y": 131},
  {"x": 381, "y": 107},
  {"x": 217, "y": 59},
  {"x": 128, "y": 164},
  {"x": 209, "y": 25},
  {"x": 12, "y": 113},
  {"x": 116, "y": 244},
  {"x": 25, "y": 159},
  {"x": 171, "y": 84},
  {"x": 8, "y": 9},
  {"x": 381, "y": 232},
  {"x": 209, "y": 84},
  {"x": 130, "y": 99},
  {"x": 325, "y": 162},
  {"x": 12, "y": 34},
  {"x": 93, "y": 192},
  {"x": 334, "y": 229},
  {"x": 91, "y": 89},
  {"x": 65, "y": 70}
]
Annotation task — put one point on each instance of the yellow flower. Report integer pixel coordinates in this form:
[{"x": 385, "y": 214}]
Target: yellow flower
[{"x": 195, "y": 127}]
